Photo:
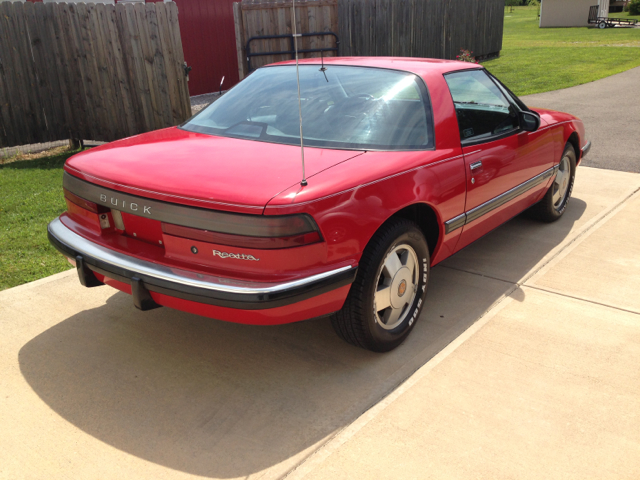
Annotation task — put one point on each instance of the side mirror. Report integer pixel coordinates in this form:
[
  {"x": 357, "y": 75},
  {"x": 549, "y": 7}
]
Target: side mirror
[{"x": 529, "y": 122}]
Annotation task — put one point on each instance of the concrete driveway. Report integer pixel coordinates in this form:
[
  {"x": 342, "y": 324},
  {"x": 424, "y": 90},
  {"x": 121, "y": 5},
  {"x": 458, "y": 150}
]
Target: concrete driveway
[
  {"x": 545, "y": 385},
  {"x": 523, "y": 364}
]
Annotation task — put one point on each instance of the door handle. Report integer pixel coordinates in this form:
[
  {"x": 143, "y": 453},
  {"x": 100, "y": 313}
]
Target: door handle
[{"x": 475, "y": 165}]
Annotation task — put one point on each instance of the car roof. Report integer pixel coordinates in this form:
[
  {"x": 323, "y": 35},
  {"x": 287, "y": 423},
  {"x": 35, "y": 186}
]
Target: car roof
[{"x": 419, "y": 66}]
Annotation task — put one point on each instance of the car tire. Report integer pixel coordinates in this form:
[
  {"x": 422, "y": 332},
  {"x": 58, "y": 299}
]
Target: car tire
[
  {"x": 602, "y": 25},
  {"x": 394, "y": 270},
  {"x": 555, "y": 201}
]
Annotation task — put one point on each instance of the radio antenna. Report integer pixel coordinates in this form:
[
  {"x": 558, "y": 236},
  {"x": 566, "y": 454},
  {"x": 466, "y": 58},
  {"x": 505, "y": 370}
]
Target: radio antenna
[
  {"x": 295, "y": 43},
  {"x": 323, "y": 69}
]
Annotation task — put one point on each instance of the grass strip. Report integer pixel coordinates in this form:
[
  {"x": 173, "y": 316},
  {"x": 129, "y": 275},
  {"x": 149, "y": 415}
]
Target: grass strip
[{"x": 30, "y": 197}]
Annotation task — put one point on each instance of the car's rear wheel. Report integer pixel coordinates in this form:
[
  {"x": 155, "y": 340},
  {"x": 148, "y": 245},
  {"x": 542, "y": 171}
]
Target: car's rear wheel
[
  {"x": 388, "y": 293},
  {"x": 555, "y": 201}
]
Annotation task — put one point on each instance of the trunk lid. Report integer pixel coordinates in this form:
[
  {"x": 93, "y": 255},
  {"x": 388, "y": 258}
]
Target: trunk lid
[{"x": 200, "y": 170}]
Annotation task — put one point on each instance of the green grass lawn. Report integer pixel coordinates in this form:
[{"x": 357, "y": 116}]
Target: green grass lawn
[
  {"x": 624, "y": 15},
  {"x": 30, "y": 197},
  {"x": 535, "y": 60}
]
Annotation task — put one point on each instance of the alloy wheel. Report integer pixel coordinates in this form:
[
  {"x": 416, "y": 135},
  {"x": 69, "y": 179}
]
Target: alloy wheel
[{"x": 397, "y": 287}]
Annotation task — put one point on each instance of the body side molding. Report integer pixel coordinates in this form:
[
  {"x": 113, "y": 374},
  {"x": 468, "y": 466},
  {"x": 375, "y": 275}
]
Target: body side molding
[{"x": 481, "y": 210}]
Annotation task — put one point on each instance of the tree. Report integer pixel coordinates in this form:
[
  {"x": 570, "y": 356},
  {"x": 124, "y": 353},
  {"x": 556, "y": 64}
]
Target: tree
[{"x": 634, "y": 7}]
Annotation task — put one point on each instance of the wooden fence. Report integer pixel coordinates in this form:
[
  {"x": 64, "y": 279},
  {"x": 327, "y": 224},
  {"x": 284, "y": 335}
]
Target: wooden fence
[
  {"x": 89, "y": 71},
  {"x": 273, "y": 17},
  {"x": 404, "y": 28},
  {"x": 420, "y": 28}
]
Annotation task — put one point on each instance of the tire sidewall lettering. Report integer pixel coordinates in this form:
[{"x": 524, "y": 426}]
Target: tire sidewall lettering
[{"x": 572, "y": 166}]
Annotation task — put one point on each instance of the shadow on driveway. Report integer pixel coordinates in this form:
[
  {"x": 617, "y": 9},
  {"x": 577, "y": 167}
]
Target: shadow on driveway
[{"x": 225, "y": 400}]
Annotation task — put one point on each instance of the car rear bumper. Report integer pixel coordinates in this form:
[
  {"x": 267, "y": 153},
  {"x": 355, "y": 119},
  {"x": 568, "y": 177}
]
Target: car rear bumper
[
  {"x": 585, "y": 149},
  {"x": 145, "y": 277}
]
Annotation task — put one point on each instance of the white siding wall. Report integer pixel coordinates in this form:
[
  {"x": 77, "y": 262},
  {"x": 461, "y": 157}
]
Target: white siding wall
[{"x": 567, "y": 13}]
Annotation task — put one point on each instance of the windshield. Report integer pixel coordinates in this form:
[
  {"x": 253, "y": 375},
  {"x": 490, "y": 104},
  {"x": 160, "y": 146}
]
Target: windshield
[{"x": 342, "y": 107}]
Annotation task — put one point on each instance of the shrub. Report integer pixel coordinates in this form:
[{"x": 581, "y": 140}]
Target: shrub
[
  {"x": 634, "y": 7},
  {"x": 465, "y": 56}
]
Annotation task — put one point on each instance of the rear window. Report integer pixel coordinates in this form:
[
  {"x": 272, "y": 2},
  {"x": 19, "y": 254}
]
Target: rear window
[{"x": 342, "y": 107}]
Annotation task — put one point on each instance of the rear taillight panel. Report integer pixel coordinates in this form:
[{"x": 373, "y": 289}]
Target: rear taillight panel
[
  {"x": 269, "y": 233},
  {"x": 85, "y": 204},
  {"x": 231, "y": 244},
  {"x": 266, "y": 231}
]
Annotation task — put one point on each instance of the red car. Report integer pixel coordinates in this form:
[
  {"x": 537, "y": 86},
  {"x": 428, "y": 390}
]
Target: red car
[{"x": 406, "y": 162}]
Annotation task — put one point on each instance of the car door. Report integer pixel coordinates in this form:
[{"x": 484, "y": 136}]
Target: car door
[{"x": 501, "y": 160}]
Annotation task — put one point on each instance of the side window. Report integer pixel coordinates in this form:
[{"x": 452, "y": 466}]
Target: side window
[
  {"x": 482, "y": 109},
  {"x": 509, "y": 94}
]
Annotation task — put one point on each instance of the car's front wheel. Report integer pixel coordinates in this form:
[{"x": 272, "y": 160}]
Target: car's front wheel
[
  {"x": 388, "y": 293},
  {"x": 555, "y": 201}
]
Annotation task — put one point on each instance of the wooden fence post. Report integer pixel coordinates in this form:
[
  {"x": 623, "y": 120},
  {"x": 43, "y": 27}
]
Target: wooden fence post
[{"x": 237, "y": 20}]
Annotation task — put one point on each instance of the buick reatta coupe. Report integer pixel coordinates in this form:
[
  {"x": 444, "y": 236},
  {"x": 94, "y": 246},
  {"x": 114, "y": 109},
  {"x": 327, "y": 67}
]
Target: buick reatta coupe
[{"x": 406, "y": 161}]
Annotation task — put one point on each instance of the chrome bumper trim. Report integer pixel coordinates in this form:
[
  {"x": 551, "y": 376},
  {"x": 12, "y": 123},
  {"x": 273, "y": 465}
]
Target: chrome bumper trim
[
  {"x": 585, "y": 149},
  {"x": 219, "y": 290}
]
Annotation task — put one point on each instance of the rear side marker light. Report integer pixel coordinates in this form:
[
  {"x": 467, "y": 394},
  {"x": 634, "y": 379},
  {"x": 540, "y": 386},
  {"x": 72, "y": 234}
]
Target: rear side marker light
[
  {"x": 86, "y": 204},
  {"x": 260, "y": 243}
]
